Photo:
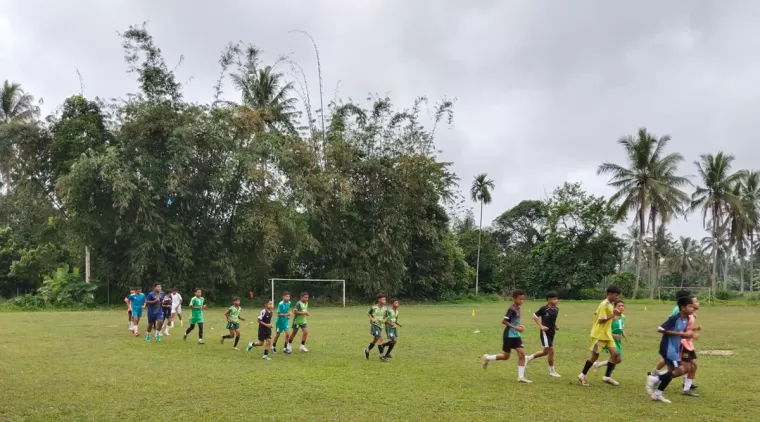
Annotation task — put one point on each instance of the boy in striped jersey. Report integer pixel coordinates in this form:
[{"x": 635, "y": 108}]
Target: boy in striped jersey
[{"x": 391, "y": 322}]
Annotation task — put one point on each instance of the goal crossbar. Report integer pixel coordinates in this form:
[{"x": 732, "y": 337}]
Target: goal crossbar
[{"x": 318, "y": 280}]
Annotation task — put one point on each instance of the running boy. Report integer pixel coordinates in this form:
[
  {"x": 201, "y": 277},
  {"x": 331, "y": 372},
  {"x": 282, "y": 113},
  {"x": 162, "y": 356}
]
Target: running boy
[
  {"x": 376, "y": 314},
  {"x": 391, "y": 322},
  {"x": 299, "y": 322},
  {"x": 546, "y": 318},
  {"x": 265, "y": 330},
  {"x": 233, "y": 322},
  {"x": 282, "y": 324},
  {"x": 155, "y": 314},
  {"x": 673, "y": 330},
  {"x": 137, "y": 301},
  {"x": 688, "y": 354},
  {"x": 601, "y": 336},
  {"x": 511, "y": 337},
  {"x": 661, "y": 363},
  {"x": 197, "y": 305},
  {"x": 618, "y": 334},
  {"x": 129, "y": 306},
  {"x": 176, "y": 306},
  {"x": 166, "y": 307}
]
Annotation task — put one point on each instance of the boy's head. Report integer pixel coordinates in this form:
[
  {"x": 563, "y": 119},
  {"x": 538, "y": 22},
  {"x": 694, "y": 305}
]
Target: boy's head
[
  {"x": 619, "y": 307},
  {"x": 552, "y": 298},
  {"x": 304, "y": 296},
  {"x": 267, "y": 304},
  {"x": 236, "y": 301},
  {"x": 394, "y": 303},
  {"x": 380, "y": 298},
  {"x": 175, "y": 290},
  {"x": 613, "y": 293},
  {"x": 685, "y": 305},
  {"x": 132, "y": 290},
  {"x": 139, "y": 290},
  {"x": 156, "y": 287},
  {"x": 197, "y": 292},
  {"x": 518, "y": 296},
  {"x": 682, "y": 293},
  {"x": 695, "y": 303},
  {"x": 286, "y": 296}
]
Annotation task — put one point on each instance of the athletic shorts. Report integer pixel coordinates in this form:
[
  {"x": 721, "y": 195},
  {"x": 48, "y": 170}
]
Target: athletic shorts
[
  {"x": 671, "y": 364},
  {"x": 391, "y": 332},
  {"x": 282, "y": 326},
  {"x": 598, "y": 345},
  {"x": 137, "y": 313},
  {"x": 297, "y": 326},
  {"x": 196, "y": 321},
  {"x": 375, "y": 330},
  {"x": 233, "y": 325},
  {"x": 176, "y": 309},
  {"x": 688, "y": 355},
  {"x": 510, "y": 343},
  {"x": 547, "y": 338},
  {"x": 265, "y": 333},
  {"x": 167, "y": 313},
  {"x": 618, "y": 347},
  {"x": 155, "y": 317}
]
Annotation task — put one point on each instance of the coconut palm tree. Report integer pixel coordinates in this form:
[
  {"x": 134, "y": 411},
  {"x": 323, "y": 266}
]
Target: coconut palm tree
[
  {"x": 649, "y": 183},
  {"x": 715, "y": 196},
  {"x": 750, "y": 197},
  {"x": 16, "y": 106},
  {"x": 738, "y": 219},
  {"x": 480, "y": 191},
  {"x": 687, "y": 250}
]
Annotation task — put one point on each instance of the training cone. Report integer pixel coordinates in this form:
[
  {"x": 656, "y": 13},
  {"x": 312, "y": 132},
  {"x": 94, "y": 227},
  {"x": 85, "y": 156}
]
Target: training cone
[
  {"x": 645, "y": 307},
  {"x": 473, "y": 312}
]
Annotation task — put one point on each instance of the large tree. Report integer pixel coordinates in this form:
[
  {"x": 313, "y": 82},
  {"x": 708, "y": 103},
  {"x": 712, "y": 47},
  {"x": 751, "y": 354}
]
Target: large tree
[
  {"x": 480, "y": 191},
  {"x": 16, "y": 106},
  {"x": 750, "y": 199}
]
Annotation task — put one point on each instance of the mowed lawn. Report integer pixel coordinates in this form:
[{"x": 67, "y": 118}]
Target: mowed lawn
[{"x": 82, "y": 366}]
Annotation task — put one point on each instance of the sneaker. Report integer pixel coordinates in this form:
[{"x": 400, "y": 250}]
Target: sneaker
[
  {"x": 525, "y": 380},
  {"x": 366, "y": 354},
  {"x": 274, "y": 349},
  {"x": 583, "y": 380},
  {"x": 484, "y": 362},
  {"x": 554, "y": 374},
  {"x": 693, "y": 386},
  {"x": 303, "y": 348},
  {"x": 383, "y": 358},
  {"x": 250, "y": 346},
  {"x": 184, "y": 337},
  {"x": 659, "y": 397},
  {"x": 652, "y": 382},
  {"x": 287, "y": 351},
  {"x": 158, "y": 339},
  {"x": 136, "y": 334},
  {"x": 528, "y": 359},
  {"x": 596, "y": 368},
  {"x": 147, "y": 338},
  {"x": 689, "y": 393},
  {"x": 381, "y": 348},
  {"x": 221, "y": 340},
  {"x": 167, "y": 333},
  {"x": 266, "y": 357},
  {"x": 610, "y": 381},
  {"x": 235, "y": 348},
  {"x": 200, "y": 341},
  {"x": 388, "y": 356}
]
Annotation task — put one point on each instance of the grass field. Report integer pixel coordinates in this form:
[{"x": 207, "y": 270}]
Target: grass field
[{"x": 82, "y": 366}]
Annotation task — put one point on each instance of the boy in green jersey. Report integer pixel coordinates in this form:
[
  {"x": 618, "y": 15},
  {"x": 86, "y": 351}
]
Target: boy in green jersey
[
  {"x": 282, "y": 324},
  {"x": 618, "y": 334},
  {"x": 233, "y": 322},
  {"x": 197, "y": 304},
  {"x": 391, "y": 322},
  {"x": 299, "y": 322},
  {"x": 377, "y": 316}
]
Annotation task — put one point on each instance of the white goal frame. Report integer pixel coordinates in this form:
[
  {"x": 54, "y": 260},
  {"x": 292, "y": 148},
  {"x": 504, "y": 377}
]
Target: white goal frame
[
  {"x": 317, "y": 280},
  {"x": 708, "y": 289}
]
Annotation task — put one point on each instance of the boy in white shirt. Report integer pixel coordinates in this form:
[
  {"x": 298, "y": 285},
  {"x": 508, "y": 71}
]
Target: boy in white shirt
[{"x": 176, "y": 307}]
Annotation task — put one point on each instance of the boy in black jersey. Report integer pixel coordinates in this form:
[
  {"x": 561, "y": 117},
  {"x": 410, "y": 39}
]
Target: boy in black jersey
[
  {"x": 166, "y": 308},
  {"x": 546, "y": 318},
  {"x": 265, "y": 330}
]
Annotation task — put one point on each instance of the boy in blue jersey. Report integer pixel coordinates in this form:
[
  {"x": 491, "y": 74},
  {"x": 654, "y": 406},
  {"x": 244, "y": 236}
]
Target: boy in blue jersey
[
  {"x": 282, "y": 324},
  {"x": 673, "y": 330},
  {"x": 511, "y": 338},
  {"x": 137, "y": 302},
  {"x": 155, "y": 312}
]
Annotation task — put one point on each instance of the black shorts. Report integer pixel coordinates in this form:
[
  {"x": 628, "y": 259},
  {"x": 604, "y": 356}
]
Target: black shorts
[
  {"x": 129, "y": 312},
  {"x": 167, "y": 313},
  {"x": 688, "y": 355},
  {"x": 510, "y": 343},
  {"x": 265, "y": 333},
  {"x": 547, "y": 338}
]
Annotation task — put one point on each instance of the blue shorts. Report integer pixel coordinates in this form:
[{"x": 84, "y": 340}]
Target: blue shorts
[
  {"x": 282, "y": 326},
  {"x": 155, "y": 317},
  {"x": 137, "y": 313}
]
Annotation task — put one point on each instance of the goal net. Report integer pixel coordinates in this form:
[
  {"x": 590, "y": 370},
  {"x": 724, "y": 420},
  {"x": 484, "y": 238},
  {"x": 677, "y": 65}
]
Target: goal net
[
  {"x": 668, "y": 294},
  {"x": 330, "y": 289}
]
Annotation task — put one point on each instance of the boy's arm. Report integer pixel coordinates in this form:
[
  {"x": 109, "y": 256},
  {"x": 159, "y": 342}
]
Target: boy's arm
[
  {"x": 536, "y": 318},
  {"x": 507, "y": 321},
  {"x": 227, "y": 315},
  {"x": 298, "y": 311},
  {"x": 369, "y": 314},
  {"x": 668, "y": 328}
]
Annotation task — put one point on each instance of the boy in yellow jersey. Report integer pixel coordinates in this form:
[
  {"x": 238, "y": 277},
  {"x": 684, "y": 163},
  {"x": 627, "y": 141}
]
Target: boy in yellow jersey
[{"x": 601, "y": 336}]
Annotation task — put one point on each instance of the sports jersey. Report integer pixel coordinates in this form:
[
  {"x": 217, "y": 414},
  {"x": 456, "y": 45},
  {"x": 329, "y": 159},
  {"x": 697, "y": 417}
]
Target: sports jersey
[
  {"x": 618, "y": 326},
  {"x": 301, "y": 307},
  {"x": 265, "y": 316},
  {"x": 167, "y": 302},
  {"x": 548, "y": 315},
  {"x": 513, "y": 317},
  {"x": 196, "y": 314},
  {"x": 670, "y": 346},
  {"x": 283, "y": 308},
  {"x": 676, "y": 311},
  {"x": 378, "y": 313},
  {"x": 603, "y": 331},
  {"x": 391, "y": 316},
  {"x": 154, "y": 308},
  {"x": 137, "y": 301},
  {"x": 687, "y": 342},
  {"x": 176, "y": 299},
  {"x": 234, "y": 314}
]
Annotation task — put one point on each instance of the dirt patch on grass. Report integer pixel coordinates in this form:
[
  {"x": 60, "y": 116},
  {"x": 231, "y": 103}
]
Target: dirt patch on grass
[{"x": 717, "y": 352}]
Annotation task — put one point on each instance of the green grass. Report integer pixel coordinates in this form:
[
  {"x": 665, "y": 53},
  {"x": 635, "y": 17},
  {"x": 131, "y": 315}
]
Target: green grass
[{"x": 82, "y": 366}]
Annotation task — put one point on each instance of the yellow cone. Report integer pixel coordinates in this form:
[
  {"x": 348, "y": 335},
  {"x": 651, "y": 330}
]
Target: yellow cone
[
  {"x": 645, "y": 307},
  {"x": 473, "y": 312}
]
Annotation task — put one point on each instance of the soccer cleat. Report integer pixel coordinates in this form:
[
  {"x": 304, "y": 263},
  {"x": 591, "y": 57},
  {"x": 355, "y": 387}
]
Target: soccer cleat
[
  {"x": 221, "y": 340},
  {"x": 366, "y": 354},
  {"x": 528, "y": 359},
  {"x": 525, "y": 380},
  {"x": 167, "y": 333},
  {"x": 610, "y": 381},
  {"x": 266, "y": 357},
  {"x": 582, "y": 379},
  {"x": 689, "y": 393},
  {"x": 383, "y": 358},
  {"x": 200, "y": 341},
  {"x": 651, "y": 383},
  {"x": 596, "y": 368},
  {"x": 554, "y": 374},
  {"x": 484, "y": 362},
  {"x": 388, "y": 356},
  {"x": 274, "y": 349},
  {"x": 235, "y": 348},
  {"x": 693, "y": 387},
  {"x": 250, "y": 346},
  {"x": 287, "y": 351},
  {"x": 184, "y": 337},
  {"x": 147, "y": 338},
  {"x": 158, "y": 339},
  {"x": 303, "y": 348},
  {"x": 659, "y": 397}
]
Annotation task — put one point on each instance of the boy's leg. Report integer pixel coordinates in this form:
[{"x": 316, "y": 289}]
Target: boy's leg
[
  {"x": 611, "y": 366},
  {"x": 267, "y": 346},
  {"x": 292, "y": 336},
  {"x": 230, "y": 335},
  {"x": 596, "y": 347},
  {"x": 237, "y": 338},
  {"x": 521, "y": 365},
  {"x": 200, "y": 331},
  {"x": 274, "y": 343},
  {"x": 390, "y": 345}
]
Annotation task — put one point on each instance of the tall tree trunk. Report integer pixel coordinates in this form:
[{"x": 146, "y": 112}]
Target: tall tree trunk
[
  {"x": 653, "y": 264},
  {"x": 477, "y": 263},
  {"x": 741, "y": 274},
  {"x": 713, "y": 282},
  {"x": 727, "y": 261},
  {"x": 639, "y": 252},
  {"x": 751, "y": 261},
  {"x": 86, "y": 264}
]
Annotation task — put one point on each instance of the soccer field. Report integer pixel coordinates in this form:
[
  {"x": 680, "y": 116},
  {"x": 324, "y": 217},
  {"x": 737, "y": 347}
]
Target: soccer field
[{"x": 79, "y": 366}]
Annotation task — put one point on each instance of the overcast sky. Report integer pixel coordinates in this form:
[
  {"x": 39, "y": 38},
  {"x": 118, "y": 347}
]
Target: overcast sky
[{"x": 544, "y": 88}]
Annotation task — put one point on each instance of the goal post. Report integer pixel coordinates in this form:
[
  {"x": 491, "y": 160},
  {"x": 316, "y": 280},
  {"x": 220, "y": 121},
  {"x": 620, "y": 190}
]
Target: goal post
[
  {"x": 669, "y": 293},
  {"x": 310, "y": 280}
]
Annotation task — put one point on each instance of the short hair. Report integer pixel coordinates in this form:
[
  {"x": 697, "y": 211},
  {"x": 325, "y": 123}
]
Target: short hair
[
  {"x": 379, "y": 296},
  {"x": 682, "y": 293},
  {"x": 265, "y": 301},
  {"x": 196, "y": 289},
  {"x": 175, "y": 289},
  {"x": 286, "y": 293},
  {"x": 684, "y": 301},
  {"x": 235, "y": 298},
  {"x": 133, "y": 288},
  {"x": 612, "y": 289},
  {"x": 394, "y": 300},
  {"x": 615, "y": 303},
  {"x": 517, "y": 292},
  {"x": 304, "y": 294},
  {"x": 156, "y": 284},
  {"x": 551, "y": 295}
]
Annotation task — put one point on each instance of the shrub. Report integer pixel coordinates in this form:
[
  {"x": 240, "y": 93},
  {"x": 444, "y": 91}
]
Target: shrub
[{"x": 66, "y": 288}]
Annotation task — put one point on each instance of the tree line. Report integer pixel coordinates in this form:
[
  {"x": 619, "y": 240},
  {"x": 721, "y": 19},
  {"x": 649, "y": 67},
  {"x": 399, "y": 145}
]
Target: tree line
[{"x": 102, "y": 195}]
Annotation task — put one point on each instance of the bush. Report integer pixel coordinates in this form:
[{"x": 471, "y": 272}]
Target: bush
[
  {"x": 66, "y": 289},
  {"x": 588, "y": 293},
  {"x": 727, "y": 295}
]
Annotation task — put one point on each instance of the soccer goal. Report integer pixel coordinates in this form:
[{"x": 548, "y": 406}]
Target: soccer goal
[
  {"x": 275, "y": 281},
  {"x": 704, "y": 294}
]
